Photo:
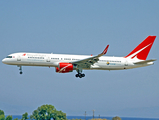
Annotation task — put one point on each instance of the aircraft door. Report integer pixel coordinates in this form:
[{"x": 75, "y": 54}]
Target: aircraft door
[
  {"x": 18, "y": 58},
  {"x": 126, "y": 63},
  {"x": 48, "y": 59}
]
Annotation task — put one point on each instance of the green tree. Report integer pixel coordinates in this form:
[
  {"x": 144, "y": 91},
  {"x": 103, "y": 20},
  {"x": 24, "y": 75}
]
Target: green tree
[
  {"x": 2, "y": 116},
  {"x": 59, "y": 115},
  {"x": 1, "y": 112},
  {"x": 116, "y": 118},
  {"x": 25, "y": 116},
  {"x": 35, "y": 115},
  {"x": 47, "y": 112},
  {"x": 9, "y": 117}
]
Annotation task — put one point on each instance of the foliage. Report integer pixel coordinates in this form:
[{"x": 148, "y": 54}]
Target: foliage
[
  {"x": 2, "y": 116},
  {"x": 25, "y": 116},
  {"x": 9, "y": 117},
  {"x": 1, "y": 112},
  {"x": 116, "y": 118},
  {"x": 47, "y": 112}
]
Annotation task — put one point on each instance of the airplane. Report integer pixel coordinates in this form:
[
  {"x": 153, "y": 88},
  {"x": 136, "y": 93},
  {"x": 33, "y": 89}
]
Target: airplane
[{"x": 65, "y": 63}]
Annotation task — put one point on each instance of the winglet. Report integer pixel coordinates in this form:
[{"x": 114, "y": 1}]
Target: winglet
[{"x": 105, "y": 50}]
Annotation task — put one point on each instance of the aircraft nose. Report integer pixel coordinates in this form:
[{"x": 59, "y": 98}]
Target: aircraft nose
[{"x": 4, "y": 61}]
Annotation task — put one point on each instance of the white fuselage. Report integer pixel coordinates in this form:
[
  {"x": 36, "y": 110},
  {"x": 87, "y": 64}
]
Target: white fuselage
[
  {"x": 52, "y": 60},
  {"x": 65, "y": 63}
]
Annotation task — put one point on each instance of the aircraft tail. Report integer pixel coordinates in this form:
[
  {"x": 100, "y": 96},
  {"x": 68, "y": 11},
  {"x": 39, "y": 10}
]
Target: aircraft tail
[{"x": 142, "y": 50}]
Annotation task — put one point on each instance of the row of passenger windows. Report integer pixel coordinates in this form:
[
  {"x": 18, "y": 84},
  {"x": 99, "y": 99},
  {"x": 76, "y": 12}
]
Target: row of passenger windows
[
  {"x": 79, "y": 59},
  {"x": 109, "y": 61},
  {"x": 66, "y": 59},
  {"x": 75, "y": 59},
  {"x": 55, "y": 58},
  {"x": 36, "y": 57}
]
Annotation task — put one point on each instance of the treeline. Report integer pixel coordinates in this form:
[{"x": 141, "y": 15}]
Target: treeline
[{"x": 45, "y": 112}]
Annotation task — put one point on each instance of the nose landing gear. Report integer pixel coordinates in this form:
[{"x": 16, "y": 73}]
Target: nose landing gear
[{"x": 20, "y": 69}]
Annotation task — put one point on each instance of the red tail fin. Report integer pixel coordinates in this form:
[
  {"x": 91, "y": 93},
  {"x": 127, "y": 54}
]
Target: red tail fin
[{"x": 142, "y": 50}]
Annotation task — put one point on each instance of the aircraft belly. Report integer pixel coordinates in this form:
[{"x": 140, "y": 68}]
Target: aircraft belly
[{"x": 32, "y": 63}]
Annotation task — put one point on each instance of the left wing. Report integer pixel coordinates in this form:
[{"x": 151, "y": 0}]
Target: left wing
[{"x": 86, "y": 63}]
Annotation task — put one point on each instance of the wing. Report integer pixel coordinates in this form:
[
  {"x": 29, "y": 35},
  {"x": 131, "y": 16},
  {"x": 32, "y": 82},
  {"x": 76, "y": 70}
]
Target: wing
[{"x": 86, "y": 63}]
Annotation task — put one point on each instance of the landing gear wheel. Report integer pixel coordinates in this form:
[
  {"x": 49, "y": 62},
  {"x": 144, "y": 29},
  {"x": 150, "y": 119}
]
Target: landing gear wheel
[
  {"x": 77, "y": 75},
  {"x": 80, "y": 75},
  {"x": 83, "y": 75},
  {"x": 20, "y": 69}
]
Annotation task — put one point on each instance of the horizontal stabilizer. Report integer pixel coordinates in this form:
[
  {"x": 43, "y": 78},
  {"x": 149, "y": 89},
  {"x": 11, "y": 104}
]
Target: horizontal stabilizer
[{"x": 145, "y": 61}]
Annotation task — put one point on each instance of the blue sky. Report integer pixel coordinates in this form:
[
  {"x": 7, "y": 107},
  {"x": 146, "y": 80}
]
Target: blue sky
[{"x": 79, "y": 27}]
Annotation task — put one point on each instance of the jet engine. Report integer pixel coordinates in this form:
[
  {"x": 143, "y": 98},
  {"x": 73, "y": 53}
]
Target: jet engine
[{"x": 64, "y": 68}]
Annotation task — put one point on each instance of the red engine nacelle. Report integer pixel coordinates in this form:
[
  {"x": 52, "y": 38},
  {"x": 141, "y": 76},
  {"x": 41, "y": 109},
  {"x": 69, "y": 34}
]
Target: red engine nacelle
[{"x": 64, "y": 68}]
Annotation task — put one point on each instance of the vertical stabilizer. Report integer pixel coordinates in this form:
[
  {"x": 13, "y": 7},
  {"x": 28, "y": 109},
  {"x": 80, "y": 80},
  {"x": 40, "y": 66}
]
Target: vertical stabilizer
[{"x": 142, "y": 50}]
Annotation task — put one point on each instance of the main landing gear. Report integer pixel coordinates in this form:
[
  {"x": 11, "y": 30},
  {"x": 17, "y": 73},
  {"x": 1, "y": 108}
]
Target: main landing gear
[{"x": 80, "y": 75}]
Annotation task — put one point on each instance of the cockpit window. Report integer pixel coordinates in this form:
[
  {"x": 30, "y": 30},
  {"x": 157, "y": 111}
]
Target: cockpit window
[{"x": 9, "y": 57}]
